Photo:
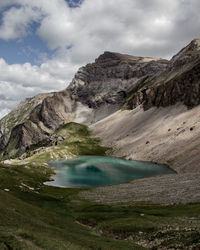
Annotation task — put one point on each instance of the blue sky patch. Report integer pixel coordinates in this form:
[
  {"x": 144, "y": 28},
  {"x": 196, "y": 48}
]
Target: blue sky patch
[
  {"x": 30, "y": 48},
  {"x": 74, "y": 3}
]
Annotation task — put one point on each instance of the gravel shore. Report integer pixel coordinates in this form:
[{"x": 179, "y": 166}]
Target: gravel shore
[{"x": 168, "y": 189}]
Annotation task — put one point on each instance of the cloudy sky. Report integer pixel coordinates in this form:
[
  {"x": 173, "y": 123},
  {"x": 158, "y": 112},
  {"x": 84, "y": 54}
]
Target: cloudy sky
[{"x": 43, "y": 43}]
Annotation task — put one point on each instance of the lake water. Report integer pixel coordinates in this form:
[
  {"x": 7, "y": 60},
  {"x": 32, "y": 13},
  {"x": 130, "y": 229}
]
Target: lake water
[{"x": 90, "y": 171}]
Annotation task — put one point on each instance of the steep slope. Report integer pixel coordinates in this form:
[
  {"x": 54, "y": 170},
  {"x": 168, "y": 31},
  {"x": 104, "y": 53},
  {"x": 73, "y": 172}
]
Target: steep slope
[
  {"x": 102, "y": 86},
  {"x": 40, "y": 121},
  {"x": 180, "y": 82},
  {"x": 111, "y": 77},
  {"x": 19, "y": 115},
  {"x": 167, "y": 131},
  {"x": 169, "y": 135},
  {"x": 97, "y": 90}
]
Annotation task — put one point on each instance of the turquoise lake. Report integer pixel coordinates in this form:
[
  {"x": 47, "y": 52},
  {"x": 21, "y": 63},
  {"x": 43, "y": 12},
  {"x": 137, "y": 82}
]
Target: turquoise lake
[{"x": 91, "y": 171}]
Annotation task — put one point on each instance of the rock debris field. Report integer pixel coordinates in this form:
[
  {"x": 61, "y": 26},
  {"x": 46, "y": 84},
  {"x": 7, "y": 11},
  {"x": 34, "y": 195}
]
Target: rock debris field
[{"x": 166, "y": 190}]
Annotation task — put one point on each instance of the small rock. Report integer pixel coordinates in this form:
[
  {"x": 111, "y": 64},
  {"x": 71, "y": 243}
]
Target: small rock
[
  {"x": 6, "y": 189},
  {"x": 130, "y": 238}
]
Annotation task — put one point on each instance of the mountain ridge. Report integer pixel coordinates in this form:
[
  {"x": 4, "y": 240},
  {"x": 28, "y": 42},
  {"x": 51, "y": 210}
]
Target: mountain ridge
[{"x": 113, "y": 82}]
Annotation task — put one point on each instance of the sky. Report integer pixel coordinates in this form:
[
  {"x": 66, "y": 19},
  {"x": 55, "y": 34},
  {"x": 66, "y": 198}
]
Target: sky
[{"x": 43, "y": 43}]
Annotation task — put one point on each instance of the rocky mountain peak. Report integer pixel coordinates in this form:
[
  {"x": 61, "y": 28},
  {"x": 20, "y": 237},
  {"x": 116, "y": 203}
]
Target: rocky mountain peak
[
  {"x": 179, "y": 82},
  {"x": 106, "y": 56},
  {"x": 190, "y": 53},
  {"x": 193, "y": 45},
  {"x": 112, "y": 65},
  {"x": 111, "y": 77}
]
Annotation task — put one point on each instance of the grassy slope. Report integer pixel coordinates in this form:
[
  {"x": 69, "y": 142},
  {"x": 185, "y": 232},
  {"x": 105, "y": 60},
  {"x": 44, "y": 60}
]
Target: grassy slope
[
  {"x": 78, "y": 142},
  {"x": 34, "y": 216}
]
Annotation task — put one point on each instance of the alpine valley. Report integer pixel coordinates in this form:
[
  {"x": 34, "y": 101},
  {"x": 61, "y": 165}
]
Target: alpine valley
[{"x": 135, "y": 108}]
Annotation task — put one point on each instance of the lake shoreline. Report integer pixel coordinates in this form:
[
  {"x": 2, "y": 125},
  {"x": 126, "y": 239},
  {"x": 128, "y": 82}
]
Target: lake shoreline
[{"x": 94, "y": 171}]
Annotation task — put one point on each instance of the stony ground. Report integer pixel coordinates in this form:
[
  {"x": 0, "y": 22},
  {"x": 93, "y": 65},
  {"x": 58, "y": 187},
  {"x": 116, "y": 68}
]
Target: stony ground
[
  {"x": 169, "y": 189},
  {"x": 168, "y": 135}
]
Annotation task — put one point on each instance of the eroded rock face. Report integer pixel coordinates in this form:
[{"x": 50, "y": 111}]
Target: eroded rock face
[
  {"x": 41, "y": 122},
  {"x": 18, "y": 116},
  {"x": 111, "y": 77},
  {"x": 180, "y": 82}
]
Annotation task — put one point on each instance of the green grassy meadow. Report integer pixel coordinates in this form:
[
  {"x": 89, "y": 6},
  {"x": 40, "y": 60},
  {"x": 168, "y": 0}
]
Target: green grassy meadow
[{"x": 35, "y": 216}]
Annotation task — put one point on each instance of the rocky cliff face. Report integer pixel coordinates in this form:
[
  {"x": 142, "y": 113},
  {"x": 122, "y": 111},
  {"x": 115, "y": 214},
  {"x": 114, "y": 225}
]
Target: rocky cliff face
[
  {"x": 113, "y": 81},
  {"x": 38, "y": 122},
  {"x": 19, "y": 115},
  {"x": 180, "y": 82},
  {"x": 112, "y": 77}
]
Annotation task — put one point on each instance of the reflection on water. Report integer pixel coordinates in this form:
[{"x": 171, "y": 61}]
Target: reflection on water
[{"x": 90, "y": 171}]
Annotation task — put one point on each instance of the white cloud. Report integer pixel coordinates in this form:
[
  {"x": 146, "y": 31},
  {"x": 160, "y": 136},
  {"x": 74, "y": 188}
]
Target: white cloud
[
  {"x": 138, "y": 27},
  {"x": 21, "y": 81},
  {"x": 5, "y": 3},
  {"x": 17, "y": 20},
  {"x": 25, "y": 75},
  {"x": 101, "y": 24}
]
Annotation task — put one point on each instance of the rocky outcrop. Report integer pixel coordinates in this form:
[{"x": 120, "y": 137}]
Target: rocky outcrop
[
  {"x": 54, "y": 111},
  {"x": 180, "y": 82},
  {"x": 111, "y": 77},
  {"x": 18, "y": 116},
  {"x": 184, "y": 88}
]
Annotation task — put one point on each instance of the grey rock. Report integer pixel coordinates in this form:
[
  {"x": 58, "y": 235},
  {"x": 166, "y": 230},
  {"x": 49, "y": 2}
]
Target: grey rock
[{"x": 178, "y": 83}]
